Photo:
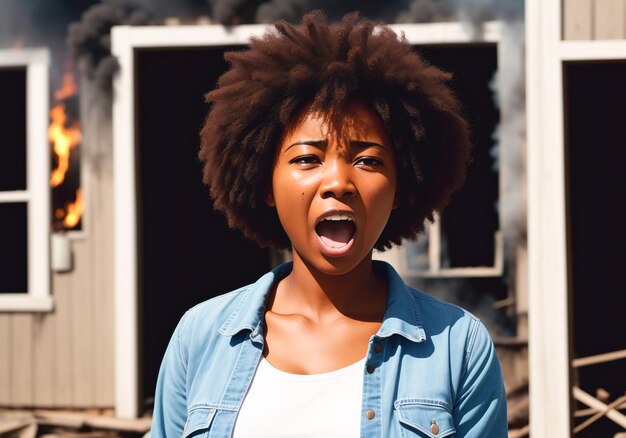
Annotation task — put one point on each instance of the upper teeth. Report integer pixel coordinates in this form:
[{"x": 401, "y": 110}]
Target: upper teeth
[{"x": 337, "y": 217}]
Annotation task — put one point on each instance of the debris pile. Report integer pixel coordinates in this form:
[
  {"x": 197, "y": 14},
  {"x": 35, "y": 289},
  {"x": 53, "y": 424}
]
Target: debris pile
[{"x": 95, "y": 423}]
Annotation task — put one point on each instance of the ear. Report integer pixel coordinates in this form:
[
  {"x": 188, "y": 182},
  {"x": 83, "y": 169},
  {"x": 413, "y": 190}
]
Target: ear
[
  {"x": 269, "y": 197},
  {"x": 396, "y": 201}
]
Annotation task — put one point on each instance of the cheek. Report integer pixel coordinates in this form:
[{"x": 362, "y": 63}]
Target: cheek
[{"x": 382, "y": 190}]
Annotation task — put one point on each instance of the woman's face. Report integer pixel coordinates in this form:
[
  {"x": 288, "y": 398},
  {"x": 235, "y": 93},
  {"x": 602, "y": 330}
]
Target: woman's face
[{"x": 334, "y": 192}]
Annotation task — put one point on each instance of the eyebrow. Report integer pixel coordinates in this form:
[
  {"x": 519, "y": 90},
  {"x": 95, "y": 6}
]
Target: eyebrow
[{"x": 322, "y": 144}]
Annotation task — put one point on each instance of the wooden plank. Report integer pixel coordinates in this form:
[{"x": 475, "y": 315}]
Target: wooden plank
[
  {"x": 63, "y": 339},
  {"x": 593, "y": 402},
  {"x": 106, "y": 369},
  {"x": 44, "y": 363},
  {"x": 10, "y": 427},
  {"x": 521, "y": 292},
  {"x": 577, "y": 19},
  {"x": 599, "y": 358},
  {"x": 73, "y": 420},
  {"x": 549, "y": 360},
  {"x": 588, "y": 422},
  {"x": 83, "y": 378},
  {"x": 22, "y": 359},
  {"x": 101, "y": 239},
  {"x": 5, "y": 355},
  {"x": 609, "y": 19},
  {"x": 141, "y": 425}
]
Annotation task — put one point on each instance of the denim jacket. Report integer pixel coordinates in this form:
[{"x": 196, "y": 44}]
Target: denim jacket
[{"x": 431, "y": 369}]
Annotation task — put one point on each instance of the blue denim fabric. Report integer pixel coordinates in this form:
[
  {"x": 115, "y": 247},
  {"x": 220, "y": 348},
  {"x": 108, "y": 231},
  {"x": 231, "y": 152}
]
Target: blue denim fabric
[{"x": 435, "y": 373}]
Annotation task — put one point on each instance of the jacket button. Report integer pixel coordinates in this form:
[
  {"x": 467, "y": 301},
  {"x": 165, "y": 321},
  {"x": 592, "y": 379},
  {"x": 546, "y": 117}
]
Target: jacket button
[
  {"x": 434, "y": 428},
  {"x": 370, "y": 414},
  {"x": 370, "y": 369},
  {"x": 378, "y": 347}
]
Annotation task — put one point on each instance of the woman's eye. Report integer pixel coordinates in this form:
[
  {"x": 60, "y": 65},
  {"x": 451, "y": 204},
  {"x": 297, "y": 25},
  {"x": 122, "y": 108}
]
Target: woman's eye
[
  {"x": 305, "y": 160},
  {"x": 368, "y": 161}
]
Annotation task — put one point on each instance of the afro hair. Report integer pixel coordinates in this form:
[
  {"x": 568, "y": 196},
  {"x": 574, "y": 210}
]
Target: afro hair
[{"x": 325, "y": 66}]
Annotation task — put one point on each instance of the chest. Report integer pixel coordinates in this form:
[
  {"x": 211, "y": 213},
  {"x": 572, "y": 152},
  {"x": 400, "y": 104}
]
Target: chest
[{"x": 298, "y": 347}]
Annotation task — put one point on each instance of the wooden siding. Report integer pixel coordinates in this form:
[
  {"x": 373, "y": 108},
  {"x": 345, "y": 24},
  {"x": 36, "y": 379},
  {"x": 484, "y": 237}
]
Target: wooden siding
[
  {"x": 65, "y": 358},
  {"x": 594, "y": 19}
]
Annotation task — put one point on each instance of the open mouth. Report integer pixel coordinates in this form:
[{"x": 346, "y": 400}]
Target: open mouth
[{"x": 336, "y": 231}]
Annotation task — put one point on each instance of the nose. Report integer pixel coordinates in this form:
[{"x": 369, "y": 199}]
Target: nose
[{"x": 337, "y": 180}]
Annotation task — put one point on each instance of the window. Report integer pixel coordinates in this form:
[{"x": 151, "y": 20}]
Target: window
[
  {"x": 24, "y": 192},
  {"x": 467, "y": 239}
]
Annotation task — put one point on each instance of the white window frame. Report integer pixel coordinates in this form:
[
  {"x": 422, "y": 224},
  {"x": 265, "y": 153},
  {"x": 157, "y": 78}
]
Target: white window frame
[
  {"x": 452, "y": 33},
  {"x": 549, "y": 355},
  {"x": 37, "y": 194},
  {"x": 125, "y": 40}
]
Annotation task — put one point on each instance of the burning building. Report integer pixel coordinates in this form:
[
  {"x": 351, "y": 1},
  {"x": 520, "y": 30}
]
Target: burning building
[{"x": 119, "y": 282}]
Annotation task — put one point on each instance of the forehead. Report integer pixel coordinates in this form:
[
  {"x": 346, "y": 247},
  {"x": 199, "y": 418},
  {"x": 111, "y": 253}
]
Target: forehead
[{"x": 358, "y": 122}]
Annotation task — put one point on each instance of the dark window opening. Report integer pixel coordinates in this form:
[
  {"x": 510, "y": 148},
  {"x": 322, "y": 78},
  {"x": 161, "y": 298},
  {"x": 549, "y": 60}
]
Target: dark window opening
[
  {"x": 469, "y": 223},
  {"x": 187, "y": 254},
  {"x": 13, "y": 128},
  {"x": 13, "y": 248},
  {"x": 595, "y": 133}
]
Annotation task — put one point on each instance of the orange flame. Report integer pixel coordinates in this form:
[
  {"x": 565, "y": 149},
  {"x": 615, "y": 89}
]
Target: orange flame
[
  {"x": 19, "y": 43},
  {"x": 74, "y": 211},
  {"x": 63, "y": 139}
]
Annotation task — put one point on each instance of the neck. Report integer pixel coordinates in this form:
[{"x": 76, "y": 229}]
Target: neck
[{"x": 357, "y": 294}]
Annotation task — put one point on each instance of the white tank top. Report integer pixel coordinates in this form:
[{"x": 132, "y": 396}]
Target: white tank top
[{"x": 284, "y": 405}]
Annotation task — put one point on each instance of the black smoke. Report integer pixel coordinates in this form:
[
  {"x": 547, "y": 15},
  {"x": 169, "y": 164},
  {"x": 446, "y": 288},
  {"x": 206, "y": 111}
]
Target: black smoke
[
  {"x": 90, "y": 38},
  {"x": 475, "y": 12},
  {"x": 292, "y": 10}
]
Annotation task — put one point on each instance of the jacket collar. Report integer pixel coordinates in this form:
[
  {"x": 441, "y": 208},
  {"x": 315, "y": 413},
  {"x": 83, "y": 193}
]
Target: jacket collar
[{"x": 402, "y": 316}]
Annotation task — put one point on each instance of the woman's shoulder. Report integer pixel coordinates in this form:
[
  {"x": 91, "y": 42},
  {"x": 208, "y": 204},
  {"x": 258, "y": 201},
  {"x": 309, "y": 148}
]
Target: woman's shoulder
[
  {"x": 211, "y": 314},
  {"x": 434, "y": 305},
  {"x": 419, "y": 307}
]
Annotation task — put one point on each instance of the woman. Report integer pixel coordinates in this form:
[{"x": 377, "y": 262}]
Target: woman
[{"x": 331, "y": 140}]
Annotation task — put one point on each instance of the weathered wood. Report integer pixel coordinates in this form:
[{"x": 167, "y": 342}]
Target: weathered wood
[
  {"x": 578, "y": 19},
  {"x": 519, "y": 433},
  {"x": 73, "y": 420},
  {"x": 601, "y": 413},
  {"x": 590, "y": 411},
  {"x": 609, "y": 16},
  {"x": 593, "y": 402},
  {"x": 29, "y": 431},
  {"x": 140, "y": 425},
  {"x": 64, "y": 340},
  {"x": 77, "y": 420},
  {"x": 12, "y": 426},
  {"x": 101, "y": 174},
  {"x": 5, "y": 362},
  {"x": 521, "y": 286},
  {"x": 44, "y": 349},
  {"x": 83, "y": 379},
  {"x": 81, "y": 435},
  {"x": 599, "y": 358},
  {"x": 506, "y": 302},
  {"x": 22, "y": 359}
]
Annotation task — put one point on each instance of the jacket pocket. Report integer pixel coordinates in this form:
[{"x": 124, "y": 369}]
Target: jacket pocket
[
  {"x": 425, "y": 418},
  {"x": 198, "y": 421}
]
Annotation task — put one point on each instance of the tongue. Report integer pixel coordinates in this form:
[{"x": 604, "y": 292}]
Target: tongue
[{"x": 335, "y": 234}]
